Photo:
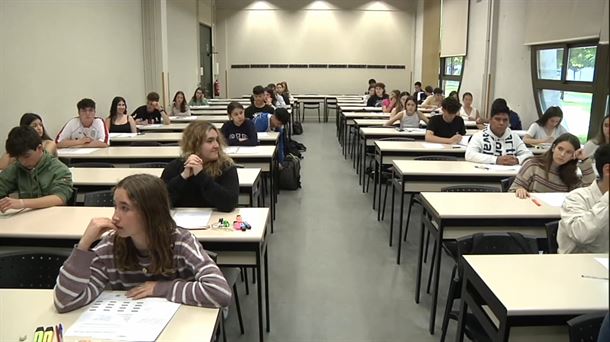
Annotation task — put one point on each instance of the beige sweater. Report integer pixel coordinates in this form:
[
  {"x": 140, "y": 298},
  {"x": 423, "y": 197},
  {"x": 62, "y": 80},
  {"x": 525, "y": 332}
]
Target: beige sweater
[{"x": 533, "y": 177}]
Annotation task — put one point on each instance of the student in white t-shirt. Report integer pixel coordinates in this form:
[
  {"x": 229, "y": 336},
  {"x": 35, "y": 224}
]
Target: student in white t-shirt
[
  {"x": 547, "y": 128},
  {"x": 467, "y": 111},
  {"x": 86, "y": 130}
]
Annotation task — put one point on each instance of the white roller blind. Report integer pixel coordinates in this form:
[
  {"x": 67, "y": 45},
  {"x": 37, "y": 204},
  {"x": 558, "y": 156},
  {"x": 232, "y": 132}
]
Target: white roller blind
[
  {"x": 603, "y": 35},
  {"x": 454, "y": 28},
  {"x": 551, "y": 21}
]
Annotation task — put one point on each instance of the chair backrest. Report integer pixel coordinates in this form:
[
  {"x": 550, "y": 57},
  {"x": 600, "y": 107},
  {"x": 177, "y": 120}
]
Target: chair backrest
[
  {"x": 151, "y": 165},
  {"x": 497, "y": 243},
  {"x": 436, "y": 157},
  {"x": 506, "y": 183},
  {"x": 470, "y": 188},
  {"x": 551, "y": 236},
  {"x": 311, "y": 105},
  {"x": 72, "y": 200},
  {"x": 29, "y": 270},
  {"x": 146, "y": 143},
  {"x": 397, "y": 139},
  {"x": 92, "y": 164},
  {"x": 103, "y": 198},
  {"x": 585, "y": 327}
]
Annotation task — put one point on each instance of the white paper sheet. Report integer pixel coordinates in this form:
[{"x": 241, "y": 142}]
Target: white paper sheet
[
  {"x": 231, "y": 149},
  {"x": 262, "y": 134},
  {"x": 554, "y": 199},
  {"x": 112, "y": 316},
  {"x": 415, "y": 130},
  {"x": 464, "y": 141},
  {"x": 494, "y": 167},
  {"x": 183, "y": 118},
  {"x": 603, "y": 261},
  {"x": 192, "y": 219},
  {"x": 122, "y": 135},
  {"x": 77, "y": 151},
  {"x": 432, "y": 145},
  {"x": 247, "y": 149}
]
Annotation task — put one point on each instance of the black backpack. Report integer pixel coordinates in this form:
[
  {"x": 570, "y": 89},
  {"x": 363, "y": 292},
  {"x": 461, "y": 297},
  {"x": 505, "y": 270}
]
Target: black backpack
[
  {"x": 290, "y": 174},
  {"x": 295, "y": 148},
  {"x": 297, "y": 128}
]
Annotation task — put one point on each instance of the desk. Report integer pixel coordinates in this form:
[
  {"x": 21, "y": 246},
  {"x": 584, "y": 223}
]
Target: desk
[
  {"x": 93, "y": 179},
  {"x": 264, "y": 138},
  {"x": 530, "y": 290},
  {"x": 197, "y": 117},
  {"x": 41, "y": 228},
  {"x": 21, "y": 311},
  {"x": 173, "y": 127},
  {"x": 414, "y": 176},
  {"x": 449, "y": 215}
]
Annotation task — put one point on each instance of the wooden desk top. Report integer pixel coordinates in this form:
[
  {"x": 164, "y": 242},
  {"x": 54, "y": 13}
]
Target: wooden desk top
[
  {"x": 352, "y": 107},
  {"x": 111, "y": 176},
  {"x": 418, "y": 146},
  {"x": 378, "y": 122},
  {"x": 21, "y": 311},
  {"x": 199, "y": 117},
  {"x": 362, "y": 115},
  {"x": 157, "y": 152},
  {"x": 451, "y": 168},
  {"x": 392, "y": 132},
  {"x": 174, "y": 136},
  {"x": 548, "y": 284},
  {"x": 487, "y": 205},
  {"x": 71, "y": 222},
  {"x": 171, "y": 127}
]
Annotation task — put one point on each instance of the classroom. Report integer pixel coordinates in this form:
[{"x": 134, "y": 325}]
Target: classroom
[{"x": 304, "y": 170}]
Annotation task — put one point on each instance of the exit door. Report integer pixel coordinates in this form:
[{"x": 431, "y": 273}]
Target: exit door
[{"x": 205, "y": 46}]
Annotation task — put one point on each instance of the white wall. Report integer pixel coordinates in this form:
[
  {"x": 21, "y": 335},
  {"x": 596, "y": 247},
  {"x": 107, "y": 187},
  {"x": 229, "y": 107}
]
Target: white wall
[
  {"x": 182, "y": 46},
  {"x": 287, "y": 32},
  {"x": 56, "y": 52},
  {"x": 206, "y": 12},
  {"x": 473, "y": 79}
]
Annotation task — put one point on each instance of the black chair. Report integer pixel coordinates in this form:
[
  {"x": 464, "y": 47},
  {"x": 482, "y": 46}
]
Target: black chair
[
  {"x": 311, "y": 105},
  {"x": 151, "y": 165},
  {"x": 506, "y": 183},
  {"x": 71, "y": 202},
  {"x": 585, "y": 328},
  {"x": 102, "y": 198},
  {"x": 481, "y": 243},
  {"x": 31, "y": 270},
  {"x": 551, "y": 236},
  {"x": 93, "y": 164}
]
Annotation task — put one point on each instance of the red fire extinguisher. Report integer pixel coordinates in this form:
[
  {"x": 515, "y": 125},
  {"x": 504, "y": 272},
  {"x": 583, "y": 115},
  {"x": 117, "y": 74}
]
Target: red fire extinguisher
[{"x": 216, "y": 88}]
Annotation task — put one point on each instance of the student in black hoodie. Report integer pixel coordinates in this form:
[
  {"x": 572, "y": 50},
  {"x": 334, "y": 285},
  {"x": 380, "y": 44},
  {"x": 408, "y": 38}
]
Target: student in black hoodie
[
  {"x": 258, "y": 103},
  {"x": 380, "y": 95},
  {"x": 204, "y": 176},
  {"x": 239, "y": 131}
]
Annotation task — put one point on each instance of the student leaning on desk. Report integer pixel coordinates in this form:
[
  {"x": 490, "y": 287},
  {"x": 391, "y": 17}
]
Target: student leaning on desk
[
  {"x": 497, "y": 144},
  {"x": 447, "y": 128},
  {"x": 555, "y": 170},
  {"x": 40, "y": 179},
  {"x": 584, "y": 214},
  {"x": 144, "y": 253}
]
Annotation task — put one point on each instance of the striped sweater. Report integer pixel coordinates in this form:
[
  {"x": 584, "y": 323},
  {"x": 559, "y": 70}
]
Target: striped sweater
[
  {"x": 197, "y": 279},
  {"x": 533, "y": 177}
]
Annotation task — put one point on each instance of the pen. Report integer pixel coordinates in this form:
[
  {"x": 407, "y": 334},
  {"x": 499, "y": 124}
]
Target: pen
[
  {"x": 481, "y": 167},
  {"x": 593, "y": 277},
  {"x": 536, "y": 202}
]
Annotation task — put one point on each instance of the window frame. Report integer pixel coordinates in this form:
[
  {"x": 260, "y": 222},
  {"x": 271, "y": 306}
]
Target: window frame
[
  {"x": 598, "y": 87},
  {"x": 444, "y": 77}
]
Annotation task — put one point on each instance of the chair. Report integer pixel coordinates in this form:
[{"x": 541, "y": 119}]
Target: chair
[
  {"x": 93, "y": 164},
  {"x": 103, "y": 198},
  {"x": 151, "y": 165},
  {"x": 506, "y": 183},
  {"x": 386, "y": 175},
  {"x": 481, "y": 243},
  {"x": 231, "y": 274},
  {"x": 551, "y": 236},
  {"x": 31, "y": 270},
  {"x": 585, "y": 328},
  {"x": 311, "y": 105},
  {"x": 146, "y": 143}
]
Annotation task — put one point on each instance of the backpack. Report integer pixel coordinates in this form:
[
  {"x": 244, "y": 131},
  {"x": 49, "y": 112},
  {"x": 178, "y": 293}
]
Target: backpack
[
  {"x": 297, "y": 128},
  {"x": 295, "y": 148},
  {"x": 290, "y": 174}
]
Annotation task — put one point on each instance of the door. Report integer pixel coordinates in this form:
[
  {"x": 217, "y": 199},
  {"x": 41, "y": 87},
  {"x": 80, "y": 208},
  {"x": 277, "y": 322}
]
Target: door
[{"x": 205, "y": 46}]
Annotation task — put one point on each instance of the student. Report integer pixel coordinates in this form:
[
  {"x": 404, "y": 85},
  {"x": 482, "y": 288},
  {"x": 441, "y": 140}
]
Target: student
[
  {"x": 198, "y": 98},
  {"x": 418, "y": 93},
  {"x": 35, "y": 121},
  {"x": 259, "y": 104},
  {"x": 434, "y": 101},
  {"x": 468, "y": 112},
  {"x": 370, "y": 93},
  {"x": 270, "y": 98},
  {"x": 40, "y": 179},
  {"x": 152, "y": 112},
  {"x": 204, "y": 176},
  {"x": 408, "y": 115},
  {"x": 555, "y": 170},
  {"x": 547, "y": 128},
  {"x": 86, "y": 130},
  {"x": 144, "y": 253},
  {"x": 497, "y": 144},
  {"x": 514, "y": 120},
  {"x": 584, "y": 214},
  {"x": 279, "y": 100},
  {"x": 239, "y": 131},
  {"x": 179, "y": 106},
  {"x": 265, "y": 122},
  {"x": 372, "y": 83},
  {"x": 455, "y": 95},
  {"x": 602, "y": 137},
  {"x": 119, "y": 121},
  {"x": 377, "y": 99},
  {"x": 389, "y": 103},
  {"x": 447, "y": 128},
  {"x": 282, "y": 89}
]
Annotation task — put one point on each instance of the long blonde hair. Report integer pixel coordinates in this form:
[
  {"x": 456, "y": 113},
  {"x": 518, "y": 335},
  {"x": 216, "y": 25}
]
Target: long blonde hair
[{"x": 194, "y": 135}]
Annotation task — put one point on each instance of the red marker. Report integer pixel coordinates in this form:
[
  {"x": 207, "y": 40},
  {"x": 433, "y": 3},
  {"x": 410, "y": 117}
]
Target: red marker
[{"x": 536, "y": 202}]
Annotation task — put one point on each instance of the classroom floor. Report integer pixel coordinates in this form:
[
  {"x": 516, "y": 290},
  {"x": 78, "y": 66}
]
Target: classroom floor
[{"x": 332, "y": 275}]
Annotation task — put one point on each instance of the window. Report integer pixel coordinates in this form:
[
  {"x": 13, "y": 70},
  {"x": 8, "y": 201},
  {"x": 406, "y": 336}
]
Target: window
[
  {"x": 451, "y": 73},
  {"x": 564, "y": 75}
]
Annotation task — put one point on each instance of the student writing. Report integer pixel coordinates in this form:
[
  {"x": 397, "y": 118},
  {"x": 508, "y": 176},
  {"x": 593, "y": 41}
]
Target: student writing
[{"x": 447, "y": 128}]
